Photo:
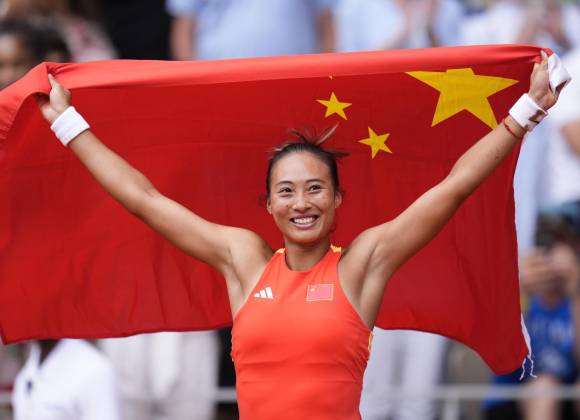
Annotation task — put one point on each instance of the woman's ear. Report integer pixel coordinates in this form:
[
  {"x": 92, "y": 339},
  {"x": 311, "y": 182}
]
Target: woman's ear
[
  {"x": 268, "y": 206},
  {"x": 337, "y": 200}
]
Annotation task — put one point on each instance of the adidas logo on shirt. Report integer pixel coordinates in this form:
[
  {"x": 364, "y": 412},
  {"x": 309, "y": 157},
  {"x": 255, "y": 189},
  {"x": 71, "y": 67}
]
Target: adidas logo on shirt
[{"x": 265, "y": 293}]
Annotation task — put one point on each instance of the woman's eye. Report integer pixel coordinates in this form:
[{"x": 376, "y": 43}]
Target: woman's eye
[
  {"x": 315, "y": 187},
  {"x": 285, "y": 191}
]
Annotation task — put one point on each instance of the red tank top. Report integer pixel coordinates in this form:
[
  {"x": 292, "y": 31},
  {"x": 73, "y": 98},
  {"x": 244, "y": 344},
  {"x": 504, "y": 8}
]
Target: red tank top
[{"x": 299, "y": 347}]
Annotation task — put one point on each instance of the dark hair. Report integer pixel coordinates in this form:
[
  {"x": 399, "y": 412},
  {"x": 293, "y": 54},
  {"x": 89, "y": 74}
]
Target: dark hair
[
  {"x": 27, "y": 34},
  {"x": 558, "y": 223},
  {"x": 52, "y": 42},
  {"x": 39, "y": 38},
  {"x": 306, "y": 141}
]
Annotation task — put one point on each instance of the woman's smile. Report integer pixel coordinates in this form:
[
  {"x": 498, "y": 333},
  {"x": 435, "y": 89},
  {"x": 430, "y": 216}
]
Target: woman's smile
[{"x": 304, "y": 222}]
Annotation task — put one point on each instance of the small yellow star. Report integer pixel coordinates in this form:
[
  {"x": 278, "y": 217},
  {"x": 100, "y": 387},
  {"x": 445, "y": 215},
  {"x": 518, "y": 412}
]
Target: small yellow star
[
  {"x": 334, "y": 106},
  {"x": 462, "y": 89},
  {"x": 376, "y": 142}
]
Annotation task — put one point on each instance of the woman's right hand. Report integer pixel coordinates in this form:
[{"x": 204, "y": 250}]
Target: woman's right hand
[{"x": 56, "y": 102}]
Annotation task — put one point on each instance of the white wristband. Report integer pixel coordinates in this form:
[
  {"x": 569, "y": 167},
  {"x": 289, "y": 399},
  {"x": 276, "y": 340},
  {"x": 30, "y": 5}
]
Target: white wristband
[
  {"x": 68, "y": 125},
  {"x": 527, "y": 113}
]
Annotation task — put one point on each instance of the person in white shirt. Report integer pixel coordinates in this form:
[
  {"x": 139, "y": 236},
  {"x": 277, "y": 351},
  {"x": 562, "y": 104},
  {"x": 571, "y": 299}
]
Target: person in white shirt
[
  {"x": 65, "y": 380},
  {"x": 548, "y": 23},
  {"x": 364, "y": 25},
  {"x": 210, "y": 30},
  {"x": 166, "y": 375},
  {"x": 563, "y": 157}
]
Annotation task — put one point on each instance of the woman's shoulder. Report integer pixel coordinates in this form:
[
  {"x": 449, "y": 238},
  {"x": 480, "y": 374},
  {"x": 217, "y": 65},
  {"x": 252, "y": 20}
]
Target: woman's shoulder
[{"x": 248, "y": 248}]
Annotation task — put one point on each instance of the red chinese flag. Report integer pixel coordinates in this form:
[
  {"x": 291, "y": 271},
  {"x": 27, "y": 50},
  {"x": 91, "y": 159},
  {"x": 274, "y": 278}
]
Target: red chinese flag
[{"x": 73, "y": 263}]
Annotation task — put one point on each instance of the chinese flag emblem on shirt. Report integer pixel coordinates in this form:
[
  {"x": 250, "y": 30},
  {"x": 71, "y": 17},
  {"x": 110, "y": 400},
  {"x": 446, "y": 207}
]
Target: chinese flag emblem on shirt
[
  {"x": 316, "y": 292},
  {"x": 73, "y": 263}
]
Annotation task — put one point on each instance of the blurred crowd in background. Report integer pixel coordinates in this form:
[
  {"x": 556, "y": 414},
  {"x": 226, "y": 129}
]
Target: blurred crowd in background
[{"x": 176, "y": 375}]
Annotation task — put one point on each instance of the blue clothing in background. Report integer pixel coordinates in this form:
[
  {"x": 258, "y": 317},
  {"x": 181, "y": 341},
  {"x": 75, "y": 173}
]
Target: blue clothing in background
[
  {"x": 253, "y": 28},
  {"x": 552, "y": 334},
  {"x": 509, "y": 379}
]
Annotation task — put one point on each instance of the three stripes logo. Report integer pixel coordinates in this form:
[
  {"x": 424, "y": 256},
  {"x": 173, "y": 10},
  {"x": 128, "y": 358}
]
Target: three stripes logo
[{"x": 265, "y": 293}]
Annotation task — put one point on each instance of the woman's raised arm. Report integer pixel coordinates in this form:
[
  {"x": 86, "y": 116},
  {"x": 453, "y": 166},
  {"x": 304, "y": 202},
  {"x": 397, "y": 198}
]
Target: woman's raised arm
[
  {"x": 217, "y": 245},
  {"x": 382, "y": 249}
]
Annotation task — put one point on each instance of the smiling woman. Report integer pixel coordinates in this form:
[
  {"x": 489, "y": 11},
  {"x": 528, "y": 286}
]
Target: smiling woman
[
  {"x": 326, "y": 299},
  {"x": 303, "y": 192}
]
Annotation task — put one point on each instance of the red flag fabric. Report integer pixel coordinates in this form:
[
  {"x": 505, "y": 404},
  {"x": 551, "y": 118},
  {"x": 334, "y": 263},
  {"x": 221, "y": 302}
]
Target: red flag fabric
[{"x": 73, "y": 263}]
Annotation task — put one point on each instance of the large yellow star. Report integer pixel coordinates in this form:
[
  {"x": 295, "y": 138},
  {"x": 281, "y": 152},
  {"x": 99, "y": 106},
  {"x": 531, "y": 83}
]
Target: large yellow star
[
  {"x": 376, "y": 142},
  {"x": 334, "y": 106},
  {"x": 461, "y": 89}
]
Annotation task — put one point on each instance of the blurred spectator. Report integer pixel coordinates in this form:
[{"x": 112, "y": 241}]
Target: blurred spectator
[
  {"x": 394, "y": 24},
  {"x": 550, "y": 23},
  {"x": 84, "y": 37},
  {"x": 65, "y": 379},
  {"x": 166, "y": 375},
  {"x": 23, "y": 45},
  {"x": 20, "y": 50},
  {"x": 138, "y": 28},
  {"x": 54, "y": 47},
  {"x": 550, "y": 274},
  {"x": 409, "y": 361},
  {"x": 205, "y": 29},
  {"x": 550, "y": 277},
  {"x": 563, "y": 160}
]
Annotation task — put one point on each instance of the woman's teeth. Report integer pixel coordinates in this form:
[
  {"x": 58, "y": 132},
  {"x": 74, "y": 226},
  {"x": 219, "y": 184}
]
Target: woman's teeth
[{"x": 303, "y": 220}]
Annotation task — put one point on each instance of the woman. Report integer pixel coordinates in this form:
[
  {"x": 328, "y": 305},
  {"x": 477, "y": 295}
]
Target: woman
[{"x": 326, "y": 299}]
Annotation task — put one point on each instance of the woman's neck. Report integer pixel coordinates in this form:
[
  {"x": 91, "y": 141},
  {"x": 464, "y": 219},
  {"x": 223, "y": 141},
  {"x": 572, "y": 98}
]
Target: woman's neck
[{"x": 303, "y": 257}]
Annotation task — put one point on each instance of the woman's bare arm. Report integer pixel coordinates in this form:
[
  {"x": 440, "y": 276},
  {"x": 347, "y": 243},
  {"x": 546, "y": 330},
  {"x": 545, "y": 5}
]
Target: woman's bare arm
[{"x": 217, "y": 245}]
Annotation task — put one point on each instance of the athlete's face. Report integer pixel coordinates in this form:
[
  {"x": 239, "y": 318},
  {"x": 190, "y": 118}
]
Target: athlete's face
[{"x": 302, "y": 198}]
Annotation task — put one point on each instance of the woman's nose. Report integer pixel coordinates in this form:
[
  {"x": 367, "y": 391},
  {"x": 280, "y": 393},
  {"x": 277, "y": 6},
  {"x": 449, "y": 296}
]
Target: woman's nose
[{"x": 301, "y": 203}]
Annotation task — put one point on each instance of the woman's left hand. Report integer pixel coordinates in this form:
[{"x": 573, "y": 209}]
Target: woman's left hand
[{"x": 540, "y": 85}]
